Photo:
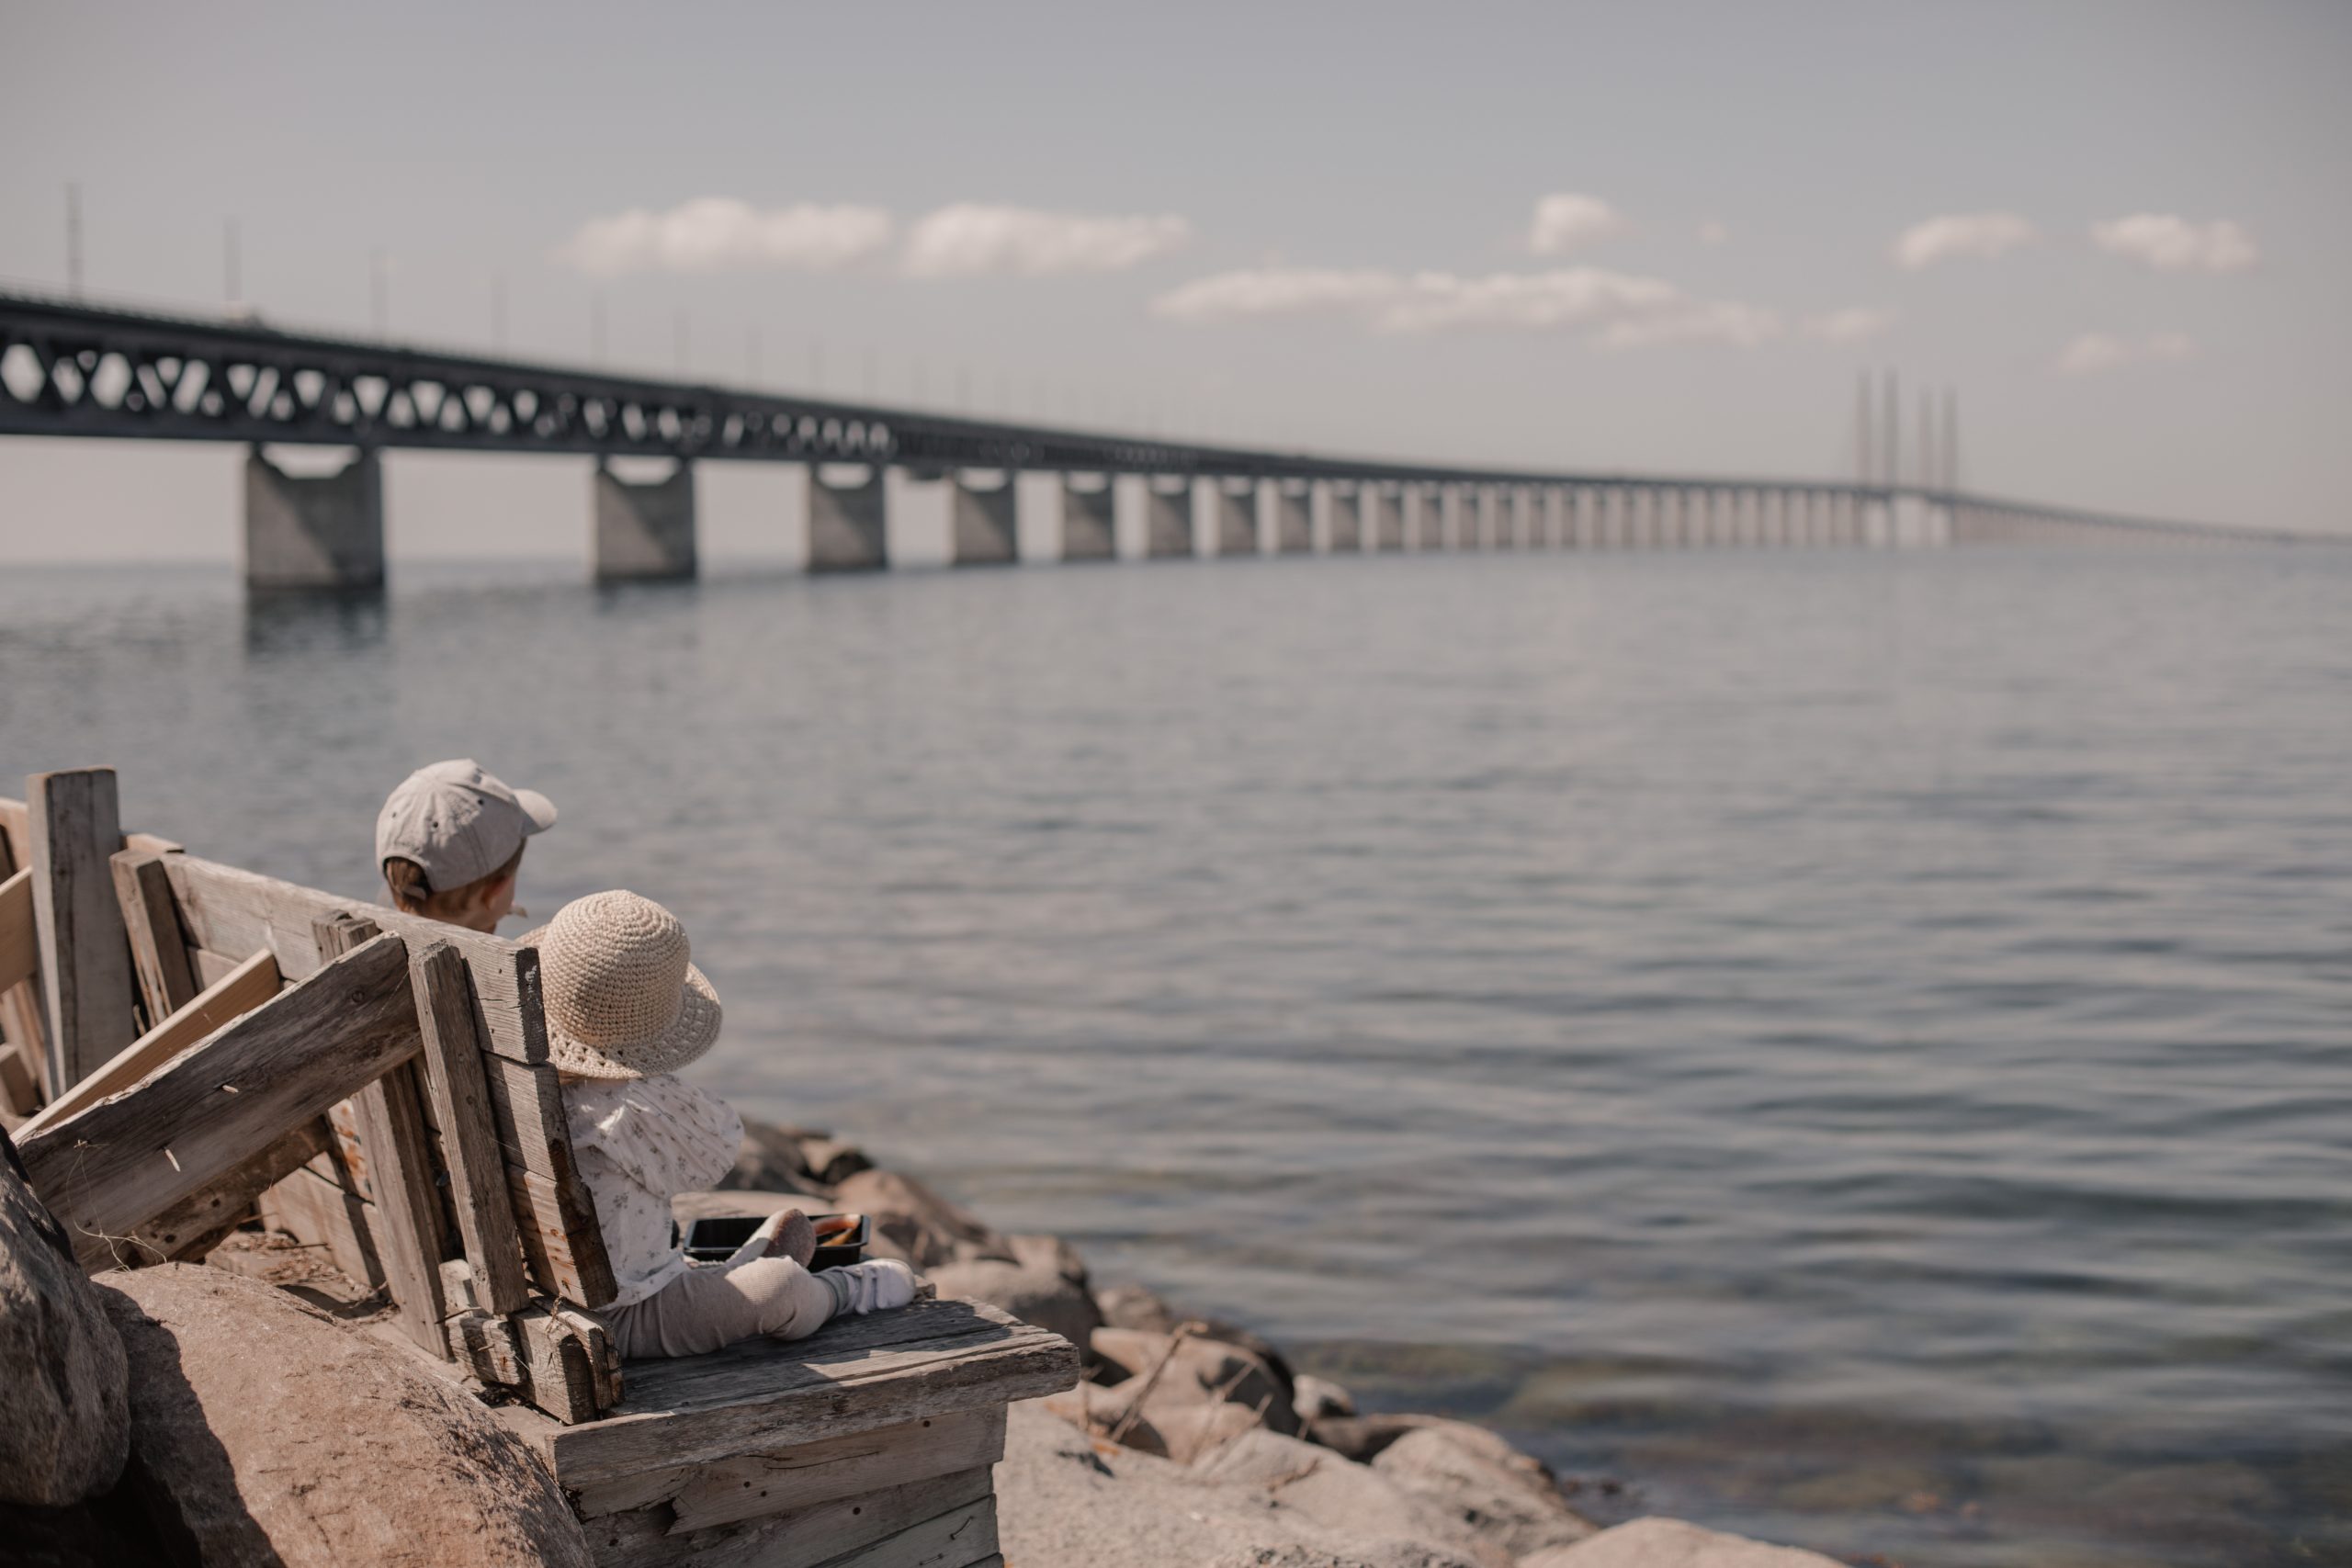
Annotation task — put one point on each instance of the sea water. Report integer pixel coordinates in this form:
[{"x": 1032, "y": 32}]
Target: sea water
[{"x": 1851, "y": 1047}]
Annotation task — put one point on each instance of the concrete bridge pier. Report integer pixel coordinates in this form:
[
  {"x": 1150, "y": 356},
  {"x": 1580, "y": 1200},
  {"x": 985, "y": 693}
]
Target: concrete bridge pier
[
  {"x": 1489, "y": 526},
  {"x": 849, "y": 528},
  {"x": 1284, "y": 520},
  {"x": 1227, "y": 521},
  {"x": 1522, "y": 518},
  {"x": 1379, "y": 517},
  {"x": 1457, "y": 517},
  {"x": 983, "y": 525},
  {"x": 1089, "y": 529},
  {"x": 325, "y": 531},
  {"x": 1423, "y": 515},
  {"x": 645, "y": 530},
  {"x": 1343, "y": 518},
  {"x": 1554, "y": 524},
  {"x": 1167, "y": 520}
]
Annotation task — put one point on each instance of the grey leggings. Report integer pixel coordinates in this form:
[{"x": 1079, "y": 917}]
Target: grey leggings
[{"x": 710, "y": 1307}]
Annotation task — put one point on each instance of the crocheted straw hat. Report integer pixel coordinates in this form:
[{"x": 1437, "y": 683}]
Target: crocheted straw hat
[{"x": 622, "y": 1001}]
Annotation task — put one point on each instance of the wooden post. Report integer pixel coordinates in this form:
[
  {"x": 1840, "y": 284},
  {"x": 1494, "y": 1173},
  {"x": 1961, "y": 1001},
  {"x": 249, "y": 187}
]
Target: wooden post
[
  {"x": 399, "y": 1162},
  {"x": 470, "y": 1150},
  {"x": 85, "y": 957},
  {"x": 24, "y": 1058},
  {"x": 151, "y": 915}
]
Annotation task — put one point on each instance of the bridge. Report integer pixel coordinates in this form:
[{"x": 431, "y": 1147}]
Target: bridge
[{"x": 69, "y": 368}]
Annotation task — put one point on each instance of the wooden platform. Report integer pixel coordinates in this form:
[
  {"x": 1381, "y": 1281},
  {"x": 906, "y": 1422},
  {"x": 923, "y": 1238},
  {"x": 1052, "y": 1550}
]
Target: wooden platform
[{"x": 868, "y": 1443}]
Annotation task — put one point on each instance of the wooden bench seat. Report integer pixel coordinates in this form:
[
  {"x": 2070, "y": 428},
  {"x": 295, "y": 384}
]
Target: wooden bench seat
[{"x": 870, "y": 1442}]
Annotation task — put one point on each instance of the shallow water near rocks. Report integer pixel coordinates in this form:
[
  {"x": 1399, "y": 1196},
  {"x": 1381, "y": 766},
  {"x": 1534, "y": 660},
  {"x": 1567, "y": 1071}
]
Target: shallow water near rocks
[{"x": 1850, "y": 1047}]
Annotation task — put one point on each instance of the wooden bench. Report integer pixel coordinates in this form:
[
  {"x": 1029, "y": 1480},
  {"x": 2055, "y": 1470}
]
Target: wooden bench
[{"x": 379, "y": 1084}]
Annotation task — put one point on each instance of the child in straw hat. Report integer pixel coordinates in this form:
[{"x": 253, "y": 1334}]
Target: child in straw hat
[{"x": 626, "y": 1009}]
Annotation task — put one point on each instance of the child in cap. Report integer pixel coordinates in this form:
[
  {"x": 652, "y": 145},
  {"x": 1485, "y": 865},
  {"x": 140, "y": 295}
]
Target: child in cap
[
  {"x": 450, "y": 840},
  {"x": 626, "y": 1009}
]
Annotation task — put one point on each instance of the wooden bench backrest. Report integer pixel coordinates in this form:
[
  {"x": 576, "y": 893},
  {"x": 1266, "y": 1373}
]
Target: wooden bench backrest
[
  {"x": 495, "y": 1276},
  {"x": 485, "y": 997}
]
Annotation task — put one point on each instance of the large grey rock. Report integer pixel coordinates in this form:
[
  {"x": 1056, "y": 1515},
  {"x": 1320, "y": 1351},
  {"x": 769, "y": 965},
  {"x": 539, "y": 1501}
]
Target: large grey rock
[
  {"x": 1319, "y": 1399},
  {"x": 1345, "y": 1497},
  {"x": 1066, "y": 1500},
  {"x": 1132, "y": 1306},
  {"x": 264, "y": 1432},
  {"x": 1198, "y": 1367},
  {"x": 791, "y": 1160},
  {"x": 1032, "y": 1293},
  {"x": 1671, "y": 1544},
  {"x": 916, "y": 1224},
  {"x": 1505, "y": 1496},
  {"x": 64, "y": 1402},
  {"x": 1050, "y": 1252}
]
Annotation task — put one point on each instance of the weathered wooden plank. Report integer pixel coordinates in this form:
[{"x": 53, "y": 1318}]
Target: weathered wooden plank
[
  {"x": 84, "y": 956},
  {"x": 560, "y": 1238},
  {"x": 945, "y": 1521},
  {"x": 408, "y": 1208},
  {"x": 761, "y": 1396},
  {"x": 469, "y": 1141},
  {"x": 231, "y": 911},
  {"x": 19, "y": 938},
  {"x": 210, "y": 966},
  {"x": 963, "y": 1538},
  {"x": 236, "y": 994},
  {"x": 16, "y": 831},
  {"x": 19, "y": 1085},
  {"x": 559, "y": 1371},
  {"x": 151, "y": 917},
  {"x": 194, "y": 1226},
  {"x": 20, "y": 1004},
  {"x": 772, "y": 1480},
  {"x": 324, "y": 1212},
  {"x": 485, "y": 1346},
  {"x": 150, "y": 843},
  {"x": 526, "y": 1112},
  {"x": 217, "y": 1105}
]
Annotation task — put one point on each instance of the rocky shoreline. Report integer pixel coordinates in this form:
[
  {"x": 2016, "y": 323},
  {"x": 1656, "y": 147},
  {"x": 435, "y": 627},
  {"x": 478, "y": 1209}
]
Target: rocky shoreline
[
  {"x": 1194, "y": 1443},
  {"x": 193, "y": 1413}
]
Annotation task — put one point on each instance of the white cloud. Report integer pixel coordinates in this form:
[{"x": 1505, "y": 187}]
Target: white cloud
[
  {"x": 2168, "y": 242},
  {"x": 717, "y": 234},
  {"x": 1851, "y": 324},
  {"x": 968, "y": 238},
  {"x": 1567, "y": 221},
  {"x": 1709, "y": 320},
  {"x": 1712, "y": 232},
  {"x": 1984, "y": 235},
  {"x": 1624, "y": 310},
  {"x": 2091, "y": 353}
]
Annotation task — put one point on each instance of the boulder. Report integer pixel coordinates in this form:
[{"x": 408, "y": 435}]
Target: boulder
[
  {"x": 1345, "y": 1497},
  {"x": 264, "y": 1432},
  {"x": 1505, "y": 1496},
  {"x": 1316, "y": 1399},
  {"x": 787, "y": 1159},
  {"x": 1364, "y": 1437},
  {"x": 1670, "y": 1544},
  {"x": 1207, "y": 1393},
  {"x": 1200, "y": 1367},
  {"x": 1050, "y": 1252},
  {"x": 64, "y": 1400},
  {"x": 915, "y": 1224},
  {"x": 1065, "y": 1500},
  {"x": 1033, "y": 1295},
  {"x": 1132, "y": 1306}
]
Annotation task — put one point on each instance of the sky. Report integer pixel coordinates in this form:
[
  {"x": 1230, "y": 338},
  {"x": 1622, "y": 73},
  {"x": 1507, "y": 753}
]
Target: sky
[{"x": 1657, "y": 238}]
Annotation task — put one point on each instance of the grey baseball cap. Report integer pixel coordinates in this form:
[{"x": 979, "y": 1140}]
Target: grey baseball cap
[{"x": 458, "y": 822}]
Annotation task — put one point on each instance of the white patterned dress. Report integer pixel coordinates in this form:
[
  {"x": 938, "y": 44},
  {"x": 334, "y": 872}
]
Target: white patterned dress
[{"x": 639, "y": 1141}]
